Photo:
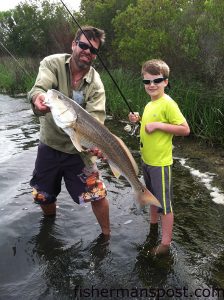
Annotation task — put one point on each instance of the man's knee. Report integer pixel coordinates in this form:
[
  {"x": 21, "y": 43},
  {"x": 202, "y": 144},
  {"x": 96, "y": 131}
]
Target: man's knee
[{"x": 43, "y": 198}]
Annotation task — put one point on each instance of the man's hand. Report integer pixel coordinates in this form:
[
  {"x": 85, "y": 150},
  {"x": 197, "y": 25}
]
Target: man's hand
[
  {"x": 38, "y": 102},
  {"x": 97, "y": 152}
]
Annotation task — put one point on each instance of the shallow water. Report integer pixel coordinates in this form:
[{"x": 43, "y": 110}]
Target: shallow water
[{"x": 65, "y": 258}]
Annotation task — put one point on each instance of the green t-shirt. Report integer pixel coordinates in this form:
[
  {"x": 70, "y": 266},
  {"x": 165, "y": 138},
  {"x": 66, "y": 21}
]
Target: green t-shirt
[{"x": 156, "y": 147}]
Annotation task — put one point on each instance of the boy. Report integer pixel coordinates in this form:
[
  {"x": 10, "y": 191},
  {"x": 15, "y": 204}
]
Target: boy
[{"x": 161, "y": 120}]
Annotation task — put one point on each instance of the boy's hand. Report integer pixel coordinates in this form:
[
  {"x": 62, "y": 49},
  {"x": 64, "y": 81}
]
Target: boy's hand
[
  {"x": 151, "y": 127},
  {"x": 134, "y": 117}
]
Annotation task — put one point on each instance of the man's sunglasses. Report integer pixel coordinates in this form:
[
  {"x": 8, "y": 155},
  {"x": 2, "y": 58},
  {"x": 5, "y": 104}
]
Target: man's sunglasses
[
  {"x": 85, "y": 46},
  {"x": 154, "y": 81}
]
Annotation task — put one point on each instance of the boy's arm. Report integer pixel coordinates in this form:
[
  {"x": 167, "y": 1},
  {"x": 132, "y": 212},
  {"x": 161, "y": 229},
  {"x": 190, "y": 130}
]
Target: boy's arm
[{"x": 182, "y": 129}]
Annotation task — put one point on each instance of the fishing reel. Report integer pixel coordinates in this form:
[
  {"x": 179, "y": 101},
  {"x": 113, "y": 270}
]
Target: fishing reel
[{"x": 132, "y": 129}]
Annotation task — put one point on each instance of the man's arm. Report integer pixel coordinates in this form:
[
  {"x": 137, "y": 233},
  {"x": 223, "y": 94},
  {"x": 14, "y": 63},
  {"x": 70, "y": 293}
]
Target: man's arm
[{"x": 44, "y": 81}]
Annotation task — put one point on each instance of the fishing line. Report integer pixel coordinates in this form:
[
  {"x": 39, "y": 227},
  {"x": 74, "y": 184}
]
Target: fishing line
[
  {"x": 14, "y": 58},
  {"x": 100, "y": 59}
]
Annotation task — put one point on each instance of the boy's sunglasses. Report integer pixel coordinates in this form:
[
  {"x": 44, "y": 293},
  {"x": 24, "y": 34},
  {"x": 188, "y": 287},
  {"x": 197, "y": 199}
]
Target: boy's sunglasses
[
  {"x": 154, "y": 81},
  {"x": 85, "y": 46}
]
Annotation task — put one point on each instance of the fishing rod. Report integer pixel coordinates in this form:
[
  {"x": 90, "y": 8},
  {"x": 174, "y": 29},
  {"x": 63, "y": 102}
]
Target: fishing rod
[
  {"x": 14, "y": 58},
  {"x": 99, "y": 57}
]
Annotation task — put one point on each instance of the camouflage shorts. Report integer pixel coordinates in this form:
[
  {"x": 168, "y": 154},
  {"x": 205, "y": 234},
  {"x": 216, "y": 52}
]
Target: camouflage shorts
[
  {"x": 83, "y": 183},
  {"x": 94, "y": 187}
]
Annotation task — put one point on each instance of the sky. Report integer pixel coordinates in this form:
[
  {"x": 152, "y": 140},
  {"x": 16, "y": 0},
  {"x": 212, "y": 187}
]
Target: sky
[{"x": 10, "y": 4}]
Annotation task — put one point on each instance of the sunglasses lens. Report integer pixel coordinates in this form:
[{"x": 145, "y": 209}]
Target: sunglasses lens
[
  {"x": 154, "y": 81},
  {"x": 158, "y": 80},
  {"x": 84, "y": 46},
  {"x": 93, "y": 50},
  {"x": 145, "y": 81}
]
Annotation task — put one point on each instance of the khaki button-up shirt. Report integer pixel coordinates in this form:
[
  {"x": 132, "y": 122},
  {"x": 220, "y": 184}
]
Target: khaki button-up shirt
[{"x": 54, "y": 73}]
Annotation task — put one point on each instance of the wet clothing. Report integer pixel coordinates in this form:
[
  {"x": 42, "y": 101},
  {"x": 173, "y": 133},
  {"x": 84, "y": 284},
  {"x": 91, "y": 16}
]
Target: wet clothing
[
  {"x": 54, "y": 73},
  {"x": 52, "y": 165},
  {"x": 57, "y": 157},
  {"x": 158, "y": 180},
  {"x": 156, "y": 147}
]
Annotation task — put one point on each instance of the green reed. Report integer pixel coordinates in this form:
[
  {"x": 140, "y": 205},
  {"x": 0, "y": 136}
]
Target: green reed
[
  {"x": 17, "y": 77},
  {"x": 203, "y": 107},
  {"x": 131, "y": 87}
]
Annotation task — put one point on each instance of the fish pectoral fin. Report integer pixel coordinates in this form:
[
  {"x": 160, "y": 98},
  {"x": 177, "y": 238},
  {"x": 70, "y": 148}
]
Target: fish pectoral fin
[
  {"x": 76, "y": 140},
  {"x": 115, "y": 171}
]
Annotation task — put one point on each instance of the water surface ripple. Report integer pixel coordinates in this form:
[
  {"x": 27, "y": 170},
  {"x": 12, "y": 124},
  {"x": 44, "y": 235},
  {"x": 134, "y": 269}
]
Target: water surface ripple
[{"x": 65, "y": 258}]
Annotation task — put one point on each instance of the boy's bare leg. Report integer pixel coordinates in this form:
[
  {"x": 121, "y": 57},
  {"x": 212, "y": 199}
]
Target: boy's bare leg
[
  {"x": 167, "y": 231},
  {"x": 49, "y": 209},
  {"x": 167, "y": 228},
  {"x": 101, "y": 211}
]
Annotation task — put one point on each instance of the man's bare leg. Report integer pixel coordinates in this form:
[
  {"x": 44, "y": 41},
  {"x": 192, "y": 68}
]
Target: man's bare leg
[
  {"x": 49, "y": 209},
  {"x": 101, "y": 211}
]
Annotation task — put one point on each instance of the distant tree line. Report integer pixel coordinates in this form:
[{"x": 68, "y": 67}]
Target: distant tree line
[{"x": 187, "y": 34}]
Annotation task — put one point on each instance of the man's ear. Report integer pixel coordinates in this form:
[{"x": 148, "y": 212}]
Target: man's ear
[{"x": 73, "y": 45}]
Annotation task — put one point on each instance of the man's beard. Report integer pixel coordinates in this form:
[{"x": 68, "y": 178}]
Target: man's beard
[{"x": 82, "y": 64}]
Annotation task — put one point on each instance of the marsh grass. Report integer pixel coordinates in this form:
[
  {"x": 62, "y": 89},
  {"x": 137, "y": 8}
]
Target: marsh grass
[
  {"x": 17, "y": 77},
  {"x": 202, "y": 106},
  {"x": 131, "y": 87}
]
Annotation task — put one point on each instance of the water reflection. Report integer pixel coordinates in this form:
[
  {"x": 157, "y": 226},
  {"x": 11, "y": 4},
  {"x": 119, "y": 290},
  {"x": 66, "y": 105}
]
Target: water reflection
[
  {"x": 154, "y": 271},
  {"x": 18, "y": 127},
  {"x": 56, "y": 261},
  {"x": 66, "y": 268},
  {"x": 98, "y": 249},
  {"x": 58, "y": 256},
  {"x": 46, "y": 245}
]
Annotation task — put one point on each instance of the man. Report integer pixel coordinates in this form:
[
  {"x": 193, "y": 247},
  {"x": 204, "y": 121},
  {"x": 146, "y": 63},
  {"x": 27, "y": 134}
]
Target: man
[{"x": 57, "y": 157}]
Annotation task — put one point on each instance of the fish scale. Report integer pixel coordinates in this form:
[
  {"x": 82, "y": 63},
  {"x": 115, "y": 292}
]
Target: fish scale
[{"x": 113, "y": 148}]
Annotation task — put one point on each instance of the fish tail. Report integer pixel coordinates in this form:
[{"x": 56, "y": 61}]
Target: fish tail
[{"x": 145, "y": 197}]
